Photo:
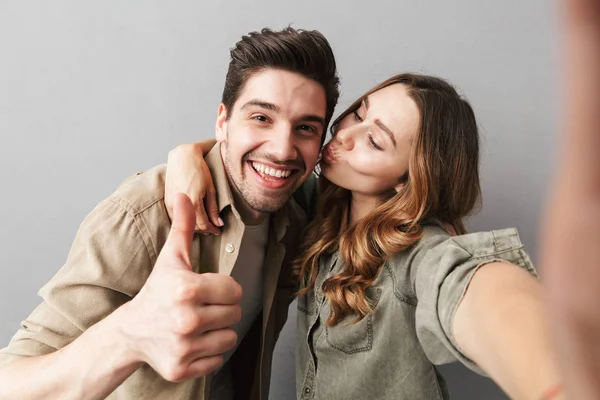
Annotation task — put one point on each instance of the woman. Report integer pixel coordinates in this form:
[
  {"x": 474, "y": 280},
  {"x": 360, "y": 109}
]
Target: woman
[{"x": 385, "y": 292}]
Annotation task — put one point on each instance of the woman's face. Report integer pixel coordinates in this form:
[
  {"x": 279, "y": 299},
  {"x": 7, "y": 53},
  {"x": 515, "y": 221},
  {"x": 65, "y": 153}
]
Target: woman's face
[{"x": 371, "y": 149}]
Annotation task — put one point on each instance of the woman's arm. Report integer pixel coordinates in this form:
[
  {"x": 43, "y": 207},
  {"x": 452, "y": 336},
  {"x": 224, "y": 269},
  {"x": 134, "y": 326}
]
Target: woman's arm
[
  {"x": 500, "y": 324},
  {"x": 188, "y": 173},
  {"x": 570, "y": 239}
]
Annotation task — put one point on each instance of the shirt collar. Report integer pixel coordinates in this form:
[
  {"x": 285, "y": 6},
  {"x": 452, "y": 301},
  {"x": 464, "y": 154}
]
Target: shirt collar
[{"x": 219, "y": 176}]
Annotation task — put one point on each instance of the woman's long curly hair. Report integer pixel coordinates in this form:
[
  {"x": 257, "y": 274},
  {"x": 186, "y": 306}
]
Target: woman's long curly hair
[{"x": 442, "y": 184}]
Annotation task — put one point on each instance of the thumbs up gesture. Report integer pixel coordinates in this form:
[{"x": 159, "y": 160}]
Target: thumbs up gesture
[{"x": 179, "y": 322}]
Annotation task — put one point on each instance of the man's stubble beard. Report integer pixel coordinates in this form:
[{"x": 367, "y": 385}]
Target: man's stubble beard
[{"x": 261, "y": 202}]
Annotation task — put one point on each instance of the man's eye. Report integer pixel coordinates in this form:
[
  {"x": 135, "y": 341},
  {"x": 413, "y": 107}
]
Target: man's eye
[
  {"x": 357, "y": 117},
  {"x": 308, "y": 128},
  {"x": 260, "y": 118}
]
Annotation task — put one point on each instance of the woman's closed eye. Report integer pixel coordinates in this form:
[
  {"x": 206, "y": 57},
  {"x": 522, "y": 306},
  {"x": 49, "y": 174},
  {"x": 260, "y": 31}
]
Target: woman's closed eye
[{"x": 372, "y": 142}]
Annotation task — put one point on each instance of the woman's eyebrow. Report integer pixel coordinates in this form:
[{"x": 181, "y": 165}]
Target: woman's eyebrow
[{"x": 386, "y": 130}]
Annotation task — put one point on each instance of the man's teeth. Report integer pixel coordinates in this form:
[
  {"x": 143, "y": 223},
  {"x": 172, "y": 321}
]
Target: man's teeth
[{"x": 276, "y": 173}]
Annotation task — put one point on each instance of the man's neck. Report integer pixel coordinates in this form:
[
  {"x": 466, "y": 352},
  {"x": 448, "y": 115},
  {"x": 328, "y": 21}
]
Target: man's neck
[{"x": 249, "y": 216}]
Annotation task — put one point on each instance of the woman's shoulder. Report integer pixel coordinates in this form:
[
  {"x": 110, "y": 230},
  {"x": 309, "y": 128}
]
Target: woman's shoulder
[
  {"x": 438, "y": 253},
  {"x": 432, "y": 236},
  {"x": 437, "y": 242},
  {"x": 475, "y": 243},
  {"x": 399, "y": 265},
  {"x": 437, "y": 247}
]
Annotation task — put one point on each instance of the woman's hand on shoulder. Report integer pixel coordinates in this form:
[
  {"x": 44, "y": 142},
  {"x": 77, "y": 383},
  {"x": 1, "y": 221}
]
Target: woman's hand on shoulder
[{"x": 188, "y": 173}]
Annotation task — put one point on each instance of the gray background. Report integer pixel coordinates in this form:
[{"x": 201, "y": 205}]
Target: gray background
[{"x": 91, "y": 92}]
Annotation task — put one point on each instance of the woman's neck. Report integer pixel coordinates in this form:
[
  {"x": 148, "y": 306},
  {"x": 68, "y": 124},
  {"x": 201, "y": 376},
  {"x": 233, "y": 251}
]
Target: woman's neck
[{"x": 361, "y": 206}]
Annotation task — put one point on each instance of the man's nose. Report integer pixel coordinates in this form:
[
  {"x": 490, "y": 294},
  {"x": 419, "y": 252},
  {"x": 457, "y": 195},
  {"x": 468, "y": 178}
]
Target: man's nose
[{"x": 283, "y": 144}]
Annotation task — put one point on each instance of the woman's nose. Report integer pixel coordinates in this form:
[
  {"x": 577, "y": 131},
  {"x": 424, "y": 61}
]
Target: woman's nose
[{"x": 346, "y": 138}]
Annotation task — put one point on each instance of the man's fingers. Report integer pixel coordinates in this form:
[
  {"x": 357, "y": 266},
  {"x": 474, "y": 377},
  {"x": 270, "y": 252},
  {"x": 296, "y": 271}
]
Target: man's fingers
[
  {"x": 203, "y": 366},
  {"x": 179, "y": 241},
  {"x": 206, "y": 317},
  {"x": 219, "y": 316},
  {"x": 217, "y": 289},
  {"x": 213, "y": 343}
]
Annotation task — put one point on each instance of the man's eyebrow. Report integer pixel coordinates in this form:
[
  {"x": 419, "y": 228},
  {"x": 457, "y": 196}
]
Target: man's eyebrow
[{"x": 262, "y": 104}]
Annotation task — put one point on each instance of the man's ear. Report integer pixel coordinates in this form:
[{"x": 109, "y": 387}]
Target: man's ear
[{"x": 221, "y": 125}]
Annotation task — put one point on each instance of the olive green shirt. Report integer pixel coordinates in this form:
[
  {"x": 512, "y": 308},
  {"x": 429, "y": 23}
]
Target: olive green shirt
[
  {"x": 392, "y": 353},
  {"x": 111, "y": 258}
]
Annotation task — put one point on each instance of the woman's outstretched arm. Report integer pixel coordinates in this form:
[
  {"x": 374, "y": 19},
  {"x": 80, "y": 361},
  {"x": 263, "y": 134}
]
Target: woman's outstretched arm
[{"x": 570, "y": 236}]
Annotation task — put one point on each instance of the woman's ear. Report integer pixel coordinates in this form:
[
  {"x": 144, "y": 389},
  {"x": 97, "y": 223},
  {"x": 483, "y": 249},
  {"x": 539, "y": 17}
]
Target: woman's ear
[
  {"x": 221, "y": 125},
  {"x": 401, "y": 182}
]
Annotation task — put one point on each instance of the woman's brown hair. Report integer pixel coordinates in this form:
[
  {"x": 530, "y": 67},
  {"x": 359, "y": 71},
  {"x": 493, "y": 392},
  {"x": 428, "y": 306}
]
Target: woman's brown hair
[{"x": 442, "y": 184}]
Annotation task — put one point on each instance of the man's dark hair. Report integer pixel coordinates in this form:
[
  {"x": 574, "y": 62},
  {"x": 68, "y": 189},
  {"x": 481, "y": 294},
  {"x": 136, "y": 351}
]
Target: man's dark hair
[{"x": 305, "y": 52}]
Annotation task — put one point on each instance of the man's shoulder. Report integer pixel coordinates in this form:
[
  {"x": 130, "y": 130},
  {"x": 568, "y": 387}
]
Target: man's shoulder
[
  {"x": 133, "y": 216},
  {"x": 141, "y": 191}
]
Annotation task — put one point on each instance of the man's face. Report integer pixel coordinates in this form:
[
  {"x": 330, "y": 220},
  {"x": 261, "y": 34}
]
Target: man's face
[{"x": 271, "y": 141}]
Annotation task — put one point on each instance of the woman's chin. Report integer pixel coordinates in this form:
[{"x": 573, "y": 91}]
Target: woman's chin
[{"x": 328, "y": 173}]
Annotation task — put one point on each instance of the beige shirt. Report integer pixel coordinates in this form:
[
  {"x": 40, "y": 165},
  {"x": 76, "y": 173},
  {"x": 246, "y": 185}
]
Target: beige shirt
[
  {"x": 248, "y": 272},
  {"x": 113, "y": 254}
]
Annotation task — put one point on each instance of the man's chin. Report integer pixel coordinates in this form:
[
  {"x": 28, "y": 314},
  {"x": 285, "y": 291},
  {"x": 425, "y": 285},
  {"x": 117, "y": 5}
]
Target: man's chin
[
  {"x": 268, "y": 207},
  {"x": 270, "y": 202}
]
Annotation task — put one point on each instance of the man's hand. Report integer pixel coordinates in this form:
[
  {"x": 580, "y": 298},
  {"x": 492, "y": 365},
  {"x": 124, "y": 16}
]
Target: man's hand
[{"x": 178, "y": 323}]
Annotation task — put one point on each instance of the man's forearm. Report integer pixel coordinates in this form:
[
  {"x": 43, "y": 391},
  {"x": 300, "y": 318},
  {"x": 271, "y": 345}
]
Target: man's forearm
[
  {"x": 91, "y": 367},
  {"x": 500, "y": 325}
]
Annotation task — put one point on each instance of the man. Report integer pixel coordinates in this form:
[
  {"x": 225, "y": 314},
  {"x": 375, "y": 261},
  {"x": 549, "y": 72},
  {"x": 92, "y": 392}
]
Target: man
[{"x": 120, "y": 320}]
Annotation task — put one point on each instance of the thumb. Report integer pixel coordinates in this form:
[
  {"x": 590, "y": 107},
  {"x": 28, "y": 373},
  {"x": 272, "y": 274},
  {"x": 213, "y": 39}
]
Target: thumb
[{"x": 176, "y": 251}]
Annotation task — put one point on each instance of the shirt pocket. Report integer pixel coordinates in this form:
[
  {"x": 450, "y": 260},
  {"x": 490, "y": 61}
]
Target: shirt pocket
[{"x": 349, "y": 337}]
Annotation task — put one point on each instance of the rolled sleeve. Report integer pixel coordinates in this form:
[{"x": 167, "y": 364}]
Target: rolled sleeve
[
  {"x": 441, "y": 277},
  {"x": 107, "y": 265}
]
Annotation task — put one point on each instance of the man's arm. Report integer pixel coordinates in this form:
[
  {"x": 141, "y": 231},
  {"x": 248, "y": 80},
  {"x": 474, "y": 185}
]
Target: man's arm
[
  {"x": 91, "y": 367},
  {"x": 500, "y": 325},
  {"x": 177, "y": 323}
]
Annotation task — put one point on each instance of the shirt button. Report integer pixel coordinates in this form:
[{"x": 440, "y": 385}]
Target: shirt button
[
  {"x": 229, "y": 248},
  {"x": 307, "y": 390}
]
